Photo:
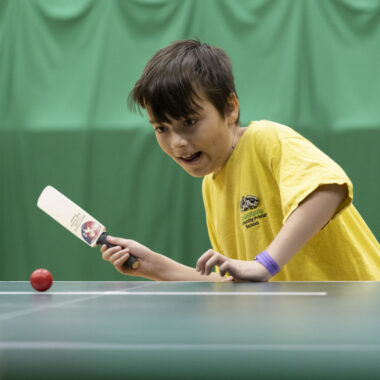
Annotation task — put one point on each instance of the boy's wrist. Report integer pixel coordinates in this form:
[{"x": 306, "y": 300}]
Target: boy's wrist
[
  {"x": 268, "y": 262},
  {"x": 261, "y": 273},
  {"x": 164, "y": 268}
]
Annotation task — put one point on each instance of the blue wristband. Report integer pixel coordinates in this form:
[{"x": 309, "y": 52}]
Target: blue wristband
[{"x": 265, "y": 259}]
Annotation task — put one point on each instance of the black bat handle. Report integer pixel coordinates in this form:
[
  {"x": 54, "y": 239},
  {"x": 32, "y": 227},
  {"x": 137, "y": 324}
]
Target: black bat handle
[{"x": 132, "y": 261}]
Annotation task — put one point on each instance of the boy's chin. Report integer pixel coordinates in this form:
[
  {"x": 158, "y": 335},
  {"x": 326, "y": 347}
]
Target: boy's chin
[{"x": 195, "y": 173}]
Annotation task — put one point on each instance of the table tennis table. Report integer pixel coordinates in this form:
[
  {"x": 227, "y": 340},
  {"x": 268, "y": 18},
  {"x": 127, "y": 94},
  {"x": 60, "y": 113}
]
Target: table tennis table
[{"x": 190, "y": 330}]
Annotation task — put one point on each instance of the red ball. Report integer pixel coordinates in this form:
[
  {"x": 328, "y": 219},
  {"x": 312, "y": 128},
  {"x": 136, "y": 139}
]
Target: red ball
[{"x": 41, "y": 279}]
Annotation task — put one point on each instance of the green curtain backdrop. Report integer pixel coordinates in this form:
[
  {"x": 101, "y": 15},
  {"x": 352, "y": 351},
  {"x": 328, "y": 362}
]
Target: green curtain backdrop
[{"x": 66, "y": 68}]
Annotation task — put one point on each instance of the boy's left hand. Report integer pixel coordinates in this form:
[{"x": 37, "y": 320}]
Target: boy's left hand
[{"x": 239, "y": 270}]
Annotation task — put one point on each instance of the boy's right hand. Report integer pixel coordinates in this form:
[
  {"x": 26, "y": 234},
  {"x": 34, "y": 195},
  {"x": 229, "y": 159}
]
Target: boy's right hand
[{"x": 151, "y": 263}]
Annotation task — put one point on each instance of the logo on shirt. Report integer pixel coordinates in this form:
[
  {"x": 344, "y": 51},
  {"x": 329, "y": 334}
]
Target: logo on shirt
[
  {"x": 249, "y": 202},
  {"x": 254, "y": 216}
]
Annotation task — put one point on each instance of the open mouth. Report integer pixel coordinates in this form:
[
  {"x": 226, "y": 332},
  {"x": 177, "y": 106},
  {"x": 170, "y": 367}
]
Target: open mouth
[{"x": 191, "y": 159}]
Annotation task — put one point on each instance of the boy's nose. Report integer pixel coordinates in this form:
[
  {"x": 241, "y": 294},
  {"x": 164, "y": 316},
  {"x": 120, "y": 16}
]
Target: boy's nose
[{"x": 178, "y": 141}]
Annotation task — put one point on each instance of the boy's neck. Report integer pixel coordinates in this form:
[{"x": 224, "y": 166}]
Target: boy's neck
[{"x": 237, "y": 134}]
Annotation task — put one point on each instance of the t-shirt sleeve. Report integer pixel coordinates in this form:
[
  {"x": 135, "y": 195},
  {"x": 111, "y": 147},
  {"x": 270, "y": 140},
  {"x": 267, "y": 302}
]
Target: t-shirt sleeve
[{"x": 300, "y": 168}]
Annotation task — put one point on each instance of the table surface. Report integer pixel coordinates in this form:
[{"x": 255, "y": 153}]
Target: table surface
[{"x": 190, "y": 330}]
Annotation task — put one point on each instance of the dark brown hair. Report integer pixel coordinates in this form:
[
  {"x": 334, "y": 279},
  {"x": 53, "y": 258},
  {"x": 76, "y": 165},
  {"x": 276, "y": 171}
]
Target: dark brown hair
[{"x": 174, "y": 77}]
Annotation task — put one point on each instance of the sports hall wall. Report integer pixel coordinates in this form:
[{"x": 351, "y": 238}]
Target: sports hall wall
[{"x": 66, "y": 68}]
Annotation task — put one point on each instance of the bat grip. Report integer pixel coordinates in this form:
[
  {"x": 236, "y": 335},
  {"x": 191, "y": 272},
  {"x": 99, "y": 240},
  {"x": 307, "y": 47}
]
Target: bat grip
[{"x": 132, "y": 261}]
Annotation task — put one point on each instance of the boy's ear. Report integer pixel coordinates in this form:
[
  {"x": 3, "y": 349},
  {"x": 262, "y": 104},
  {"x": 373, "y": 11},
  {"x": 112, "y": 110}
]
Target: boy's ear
[{"x": 232, "y": 113}]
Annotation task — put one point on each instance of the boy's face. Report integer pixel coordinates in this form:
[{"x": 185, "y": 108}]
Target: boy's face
[{"x": 202, "y": 143}]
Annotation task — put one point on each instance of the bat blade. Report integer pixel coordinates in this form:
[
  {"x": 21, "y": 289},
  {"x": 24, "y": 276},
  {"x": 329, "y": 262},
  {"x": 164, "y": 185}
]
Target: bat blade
[
  {"x": 76, "y": 220},
  {"x": 70, "y": 216}
]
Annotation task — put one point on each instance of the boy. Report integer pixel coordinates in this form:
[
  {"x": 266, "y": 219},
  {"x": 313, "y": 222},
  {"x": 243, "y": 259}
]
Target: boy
[{"x": 276, "y": 206}]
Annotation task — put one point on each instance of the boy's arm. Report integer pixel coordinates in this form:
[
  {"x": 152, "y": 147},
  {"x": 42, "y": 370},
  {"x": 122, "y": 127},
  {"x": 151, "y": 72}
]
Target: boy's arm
[
  {"x": 153, "y": 265},
  {"x": 306, "y": 220},
  {"x": 313, "y": 213},
  {"x": 175, "y": 271}
]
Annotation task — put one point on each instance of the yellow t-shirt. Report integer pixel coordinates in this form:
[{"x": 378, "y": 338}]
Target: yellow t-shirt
[{"x": 271, "y": 170}]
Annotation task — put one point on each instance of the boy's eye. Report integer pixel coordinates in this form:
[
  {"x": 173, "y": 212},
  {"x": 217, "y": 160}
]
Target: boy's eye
[
  {"x": 189, "y": 122},
  {"x": 160, "y": 129}
]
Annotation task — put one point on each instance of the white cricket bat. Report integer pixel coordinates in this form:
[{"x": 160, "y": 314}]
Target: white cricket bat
[{"x": 76, "y": 220}]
